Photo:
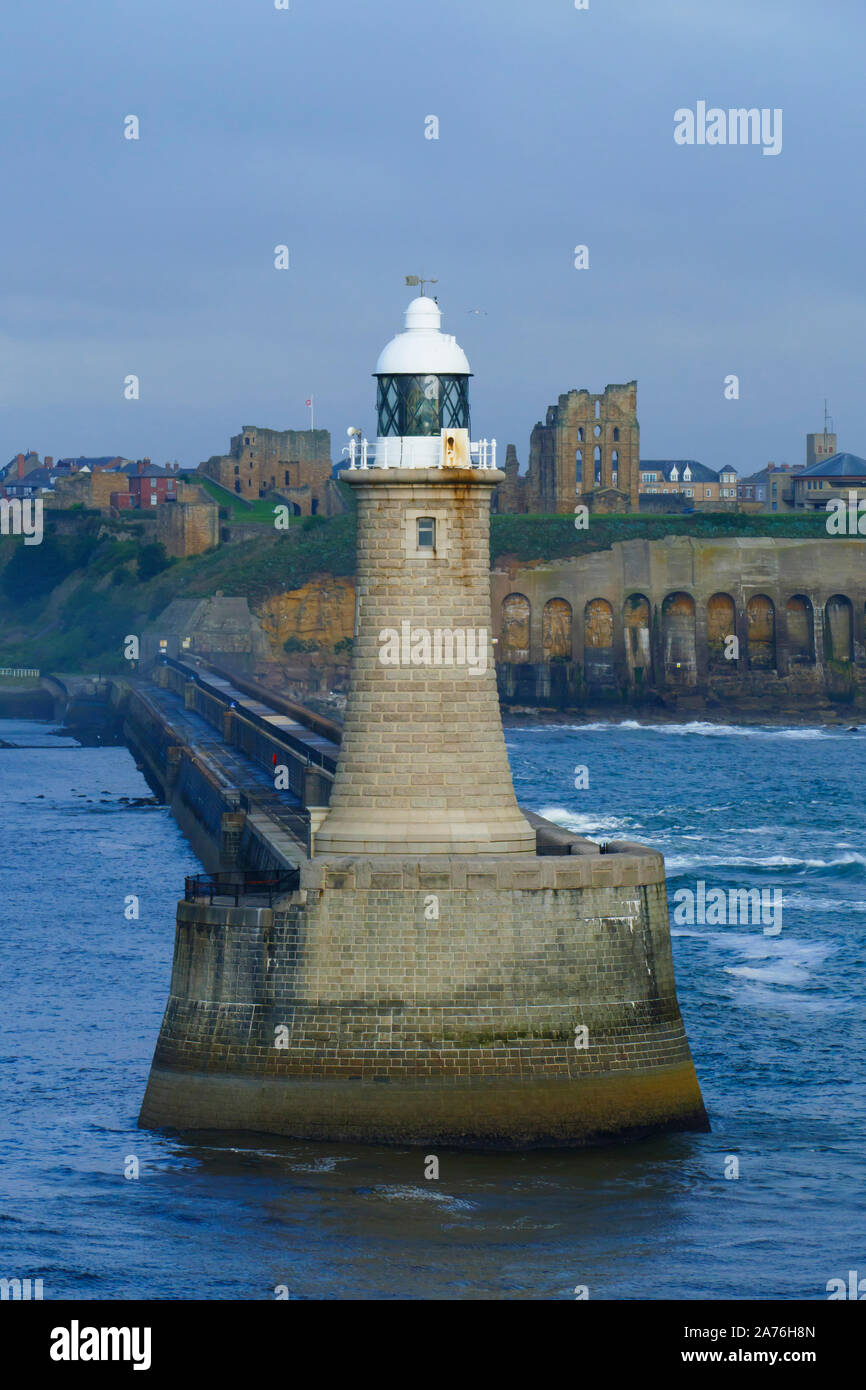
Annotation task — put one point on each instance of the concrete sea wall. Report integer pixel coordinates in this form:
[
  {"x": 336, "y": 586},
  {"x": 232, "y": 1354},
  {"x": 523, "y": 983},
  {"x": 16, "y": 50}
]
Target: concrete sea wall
[{"x": 651, "y": 619}]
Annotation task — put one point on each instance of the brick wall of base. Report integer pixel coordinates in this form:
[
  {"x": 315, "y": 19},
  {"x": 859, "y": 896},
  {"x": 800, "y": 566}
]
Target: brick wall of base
[{"x": 350, "y": 1012}]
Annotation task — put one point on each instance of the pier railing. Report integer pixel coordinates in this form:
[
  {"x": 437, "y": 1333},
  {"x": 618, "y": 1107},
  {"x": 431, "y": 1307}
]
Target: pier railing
[{"x": 250, "y": 886}]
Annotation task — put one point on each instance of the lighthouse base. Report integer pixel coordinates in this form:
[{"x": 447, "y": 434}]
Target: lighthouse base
[
  {"x": 477, "y": 1002},
  {"x": 530, "y": 1114}
]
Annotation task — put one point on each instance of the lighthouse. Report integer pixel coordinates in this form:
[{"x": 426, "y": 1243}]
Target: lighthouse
[
  {"x": 450, "y": 969},
  {"x": 423, "y": 767}
]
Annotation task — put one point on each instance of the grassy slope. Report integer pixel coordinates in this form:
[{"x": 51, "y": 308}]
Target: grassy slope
[
  {"x": 544, "y": 538},
  {"x": 75, "y": 599},
  {"x": 236, "y": 508}
]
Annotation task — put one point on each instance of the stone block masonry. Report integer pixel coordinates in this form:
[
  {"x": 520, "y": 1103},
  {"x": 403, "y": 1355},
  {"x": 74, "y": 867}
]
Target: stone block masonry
[
  {"x": 460, "y": 1029},
  {"x": 423, "y": 765}
]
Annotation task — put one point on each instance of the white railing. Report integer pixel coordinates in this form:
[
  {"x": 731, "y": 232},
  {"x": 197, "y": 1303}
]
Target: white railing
[
  {"x": 358, "y": 452},
  {"x": 484, "y": 451},
  {"x": 362, "y": 454}
]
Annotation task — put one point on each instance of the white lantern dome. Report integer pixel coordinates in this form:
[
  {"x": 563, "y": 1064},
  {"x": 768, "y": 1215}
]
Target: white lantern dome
[{"x": 423, "y": 349}]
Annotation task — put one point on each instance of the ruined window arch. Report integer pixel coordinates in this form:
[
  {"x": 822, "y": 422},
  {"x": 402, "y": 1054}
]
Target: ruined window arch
[
  {"x": 580, "y": 434},
  {"x": 616, "y": 434},
  {"x": 597, "y": 431},
  {"x": 761, "y": 618},
  {"x": 597, "y": 464},
  {"x": 578, "y": 466},
  {"x": 516, "y": 612},
  {"x": 678, "y": 639},
  {"x": 597, "y": 410},
  {"x": 721, "y": 624},
  {"x": 556, "y": 630},
  {"x": 800, "y": 623},
  {"x": 839, "y": 629}
]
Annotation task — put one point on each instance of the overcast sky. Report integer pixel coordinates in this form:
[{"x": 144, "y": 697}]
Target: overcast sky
[{"x": 307, "y": 127}]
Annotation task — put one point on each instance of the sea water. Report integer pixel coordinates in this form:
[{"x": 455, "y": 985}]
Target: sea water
[{"x": 776, "y": 1025}]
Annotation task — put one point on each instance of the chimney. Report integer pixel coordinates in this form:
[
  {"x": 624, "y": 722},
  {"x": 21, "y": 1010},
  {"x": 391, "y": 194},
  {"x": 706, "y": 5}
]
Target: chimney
[
  {"x": 139, "y": 465},
  {"x": 49, "y": 460},
  {"x": 20, "y": 462}
]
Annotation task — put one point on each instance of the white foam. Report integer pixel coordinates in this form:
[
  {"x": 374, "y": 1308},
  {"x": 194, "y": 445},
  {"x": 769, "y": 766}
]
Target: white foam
[
  {"x": 584, "y": 823},
  {"x": 780, "y": 974},
  {"x": 422, "y": 1194},
  {"x": 701, "y": 727},
  {"x": 679, "y": 862}
]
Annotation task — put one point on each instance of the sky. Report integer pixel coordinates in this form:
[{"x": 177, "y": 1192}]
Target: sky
[{"x": 306, "y": 127}]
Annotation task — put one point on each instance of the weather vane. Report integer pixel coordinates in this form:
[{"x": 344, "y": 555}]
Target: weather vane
[{"x": 419, "y": 280}]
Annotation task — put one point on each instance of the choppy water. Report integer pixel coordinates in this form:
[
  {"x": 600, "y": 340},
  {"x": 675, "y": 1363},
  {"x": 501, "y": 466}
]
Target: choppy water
[{"x": 776, "y": 1026}]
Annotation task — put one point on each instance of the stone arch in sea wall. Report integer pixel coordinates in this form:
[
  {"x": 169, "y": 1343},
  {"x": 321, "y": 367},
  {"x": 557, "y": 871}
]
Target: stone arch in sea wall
[
  {"x": 839, "y": 628},
  {"x": 800, "y": 621},
  {"x": 514, "y": 639},
  {"x": 678, "y": 637},
  {"x": 598, "y": 645},
  {"x": 556, "y": 630},
  {"x": 637, "y": 631},
  {"x": 721, "y": 625},
  {"x": 761, "y": 620}
]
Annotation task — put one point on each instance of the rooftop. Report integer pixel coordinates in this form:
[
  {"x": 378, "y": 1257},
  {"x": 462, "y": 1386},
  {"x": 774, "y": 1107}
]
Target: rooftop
[
  {"x": 700, "y": 472},
  {"x": 839, "y": 466}
]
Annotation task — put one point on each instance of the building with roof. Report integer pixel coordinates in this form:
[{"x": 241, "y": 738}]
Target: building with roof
[
  {"x": 771, "y": 488},
  {"x": 32, "y": 484},
  {"x": 150, "y": 485},
  {"x": 82, "y": 465},
  {"x": 689, "y": 479},
  {"x": 835, "y": 477},
  {"x": 18, "y": 466}
]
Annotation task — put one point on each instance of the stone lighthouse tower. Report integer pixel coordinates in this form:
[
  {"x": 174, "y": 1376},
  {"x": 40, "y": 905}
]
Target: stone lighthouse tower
[
  {"x": 423, "y": 767},
  {"x": 451, "y": 970}
]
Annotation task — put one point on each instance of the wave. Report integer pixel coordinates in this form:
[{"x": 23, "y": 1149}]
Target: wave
[
  {"x": 845, "y": 866},
  {"x": 754, "y": 946},
  {"x": 770, "y": 974},
  {"x": 811, "y": 903},
  {"x": 584, "y": 823},
  {"x": 703, "y": 727}
]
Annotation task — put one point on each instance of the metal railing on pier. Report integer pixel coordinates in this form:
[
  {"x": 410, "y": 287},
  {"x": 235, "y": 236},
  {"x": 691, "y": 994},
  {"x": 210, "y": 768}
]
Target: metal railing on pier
[{"x": 252, "y": 886}]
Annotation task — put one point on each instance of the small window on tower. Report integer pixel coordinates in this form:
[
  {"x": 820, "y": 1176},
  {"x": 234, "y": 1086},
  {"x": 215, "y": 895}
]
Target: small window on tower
[{"x": 426, "y": 533}]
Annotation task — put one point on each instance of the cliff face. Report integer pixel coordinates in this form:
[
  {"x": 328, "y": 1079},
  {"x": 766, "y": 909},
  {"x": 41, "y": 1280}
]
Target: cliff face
[{"x": 322, "y": 613}]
